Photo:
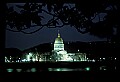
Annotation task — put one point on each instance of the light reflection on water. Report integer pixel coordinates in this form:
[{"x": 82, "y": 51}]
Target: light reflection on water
[
  {"x": 57, "y": 69},
  {"x": 9, "y": 70},
  {"x": 49, "y": 69},
  {"x": 65, "y": 69}
]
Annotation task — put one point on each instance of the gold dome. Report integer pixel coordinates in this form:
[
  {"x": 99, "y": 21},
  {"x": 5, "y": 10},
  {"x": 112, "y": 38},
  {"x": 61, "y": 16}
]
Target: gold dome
[{"x": 59, "y": 39}]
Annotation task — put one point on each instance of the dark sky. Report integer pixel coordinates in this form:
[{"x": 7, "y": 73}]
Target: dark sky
[{"x": 24, "y": 41}]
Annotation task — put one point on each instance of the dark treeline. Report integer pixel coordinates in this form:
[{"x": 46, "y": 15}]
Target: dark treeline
[{"x": 98, "y": 48}]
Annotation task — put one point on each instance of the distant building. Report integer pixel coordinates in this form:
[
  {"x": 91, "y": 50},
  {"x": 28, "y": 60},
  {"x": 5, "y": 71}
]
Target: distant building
[
  {"x": 58, "y": 44},
  {"x": 57, "y": 54}
]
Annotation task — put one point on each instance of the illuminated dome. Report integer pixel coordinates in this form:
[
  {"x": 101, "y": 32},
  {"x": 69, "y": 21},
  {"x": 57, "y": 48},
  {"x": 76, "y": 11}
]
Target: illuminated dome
[
  {"x": 58, "y": 44},
  {"x": 58, "y": 40}
]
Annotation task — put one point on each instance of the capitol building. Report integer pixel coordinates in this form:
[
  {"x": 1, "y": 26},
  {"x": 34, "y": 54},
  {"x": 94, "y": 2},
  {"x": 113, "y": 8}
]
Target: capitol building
[
  {"x": 57, "y": 54},
  {"x": 62, "y": 55}
]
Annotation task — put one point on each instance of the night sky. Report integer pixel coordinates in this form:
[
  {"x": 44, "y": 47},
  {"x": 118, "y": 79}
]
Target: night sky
[
  {"x": 24, "y": 41},
  {"x": 45, "y": 35}
]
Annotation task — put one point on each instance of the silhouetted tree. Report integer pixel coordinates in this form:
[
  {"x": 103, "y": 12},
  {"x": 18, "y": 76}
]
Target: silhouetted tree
[
  {"x": 96, "y": 17},
  {"x": 15, "y": 53}
]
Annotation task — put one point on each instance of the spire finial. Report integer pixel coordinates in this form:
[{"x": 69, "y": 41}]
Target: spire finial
[{"x": 58, "y": 33}]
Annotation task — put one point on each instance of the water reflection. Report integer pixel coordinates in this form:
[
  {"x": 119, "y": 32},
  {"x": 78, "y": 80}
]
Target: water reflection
[
  {"x": 66, "y": 69},
  {"x": 101, "y": 68},
  {"x": 9, "y": 70},
  {"x": 33, "y": 70},
  {"x": 18, "y": 70}
]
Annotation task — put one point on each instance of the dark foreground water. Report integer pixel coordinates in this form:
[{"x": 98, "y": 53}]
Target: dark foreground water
[{"x": 59, "y": 66}]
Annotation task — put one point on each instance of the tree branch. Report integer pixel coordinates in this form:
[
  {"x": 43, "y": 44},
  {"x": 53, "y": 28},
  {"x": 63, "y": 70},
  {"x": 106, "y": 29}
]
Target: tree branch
[
  {"x": 12, "y": 30},
  {"x": 20, "y": 29},
  {"x": 49, "y": 13},
  {"x": 94, "y": 16},
  {"x": 83, "y": 32},
  {"x": 32, "y": 31}
]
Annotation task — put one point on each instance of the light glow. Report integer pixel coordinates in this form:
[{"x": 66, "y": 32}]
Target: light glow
[
  {"x": 19, "y": 70},
  {"x": 87, "y": 68},
  {"x": 33, "y": 70},
  {"x": 9, "y": 70}
]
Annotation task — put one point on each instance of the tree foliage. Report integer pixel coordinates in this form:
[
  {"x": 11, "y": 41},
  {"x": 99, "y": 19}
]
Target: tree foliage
[{"x": 97, "y": 17}]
